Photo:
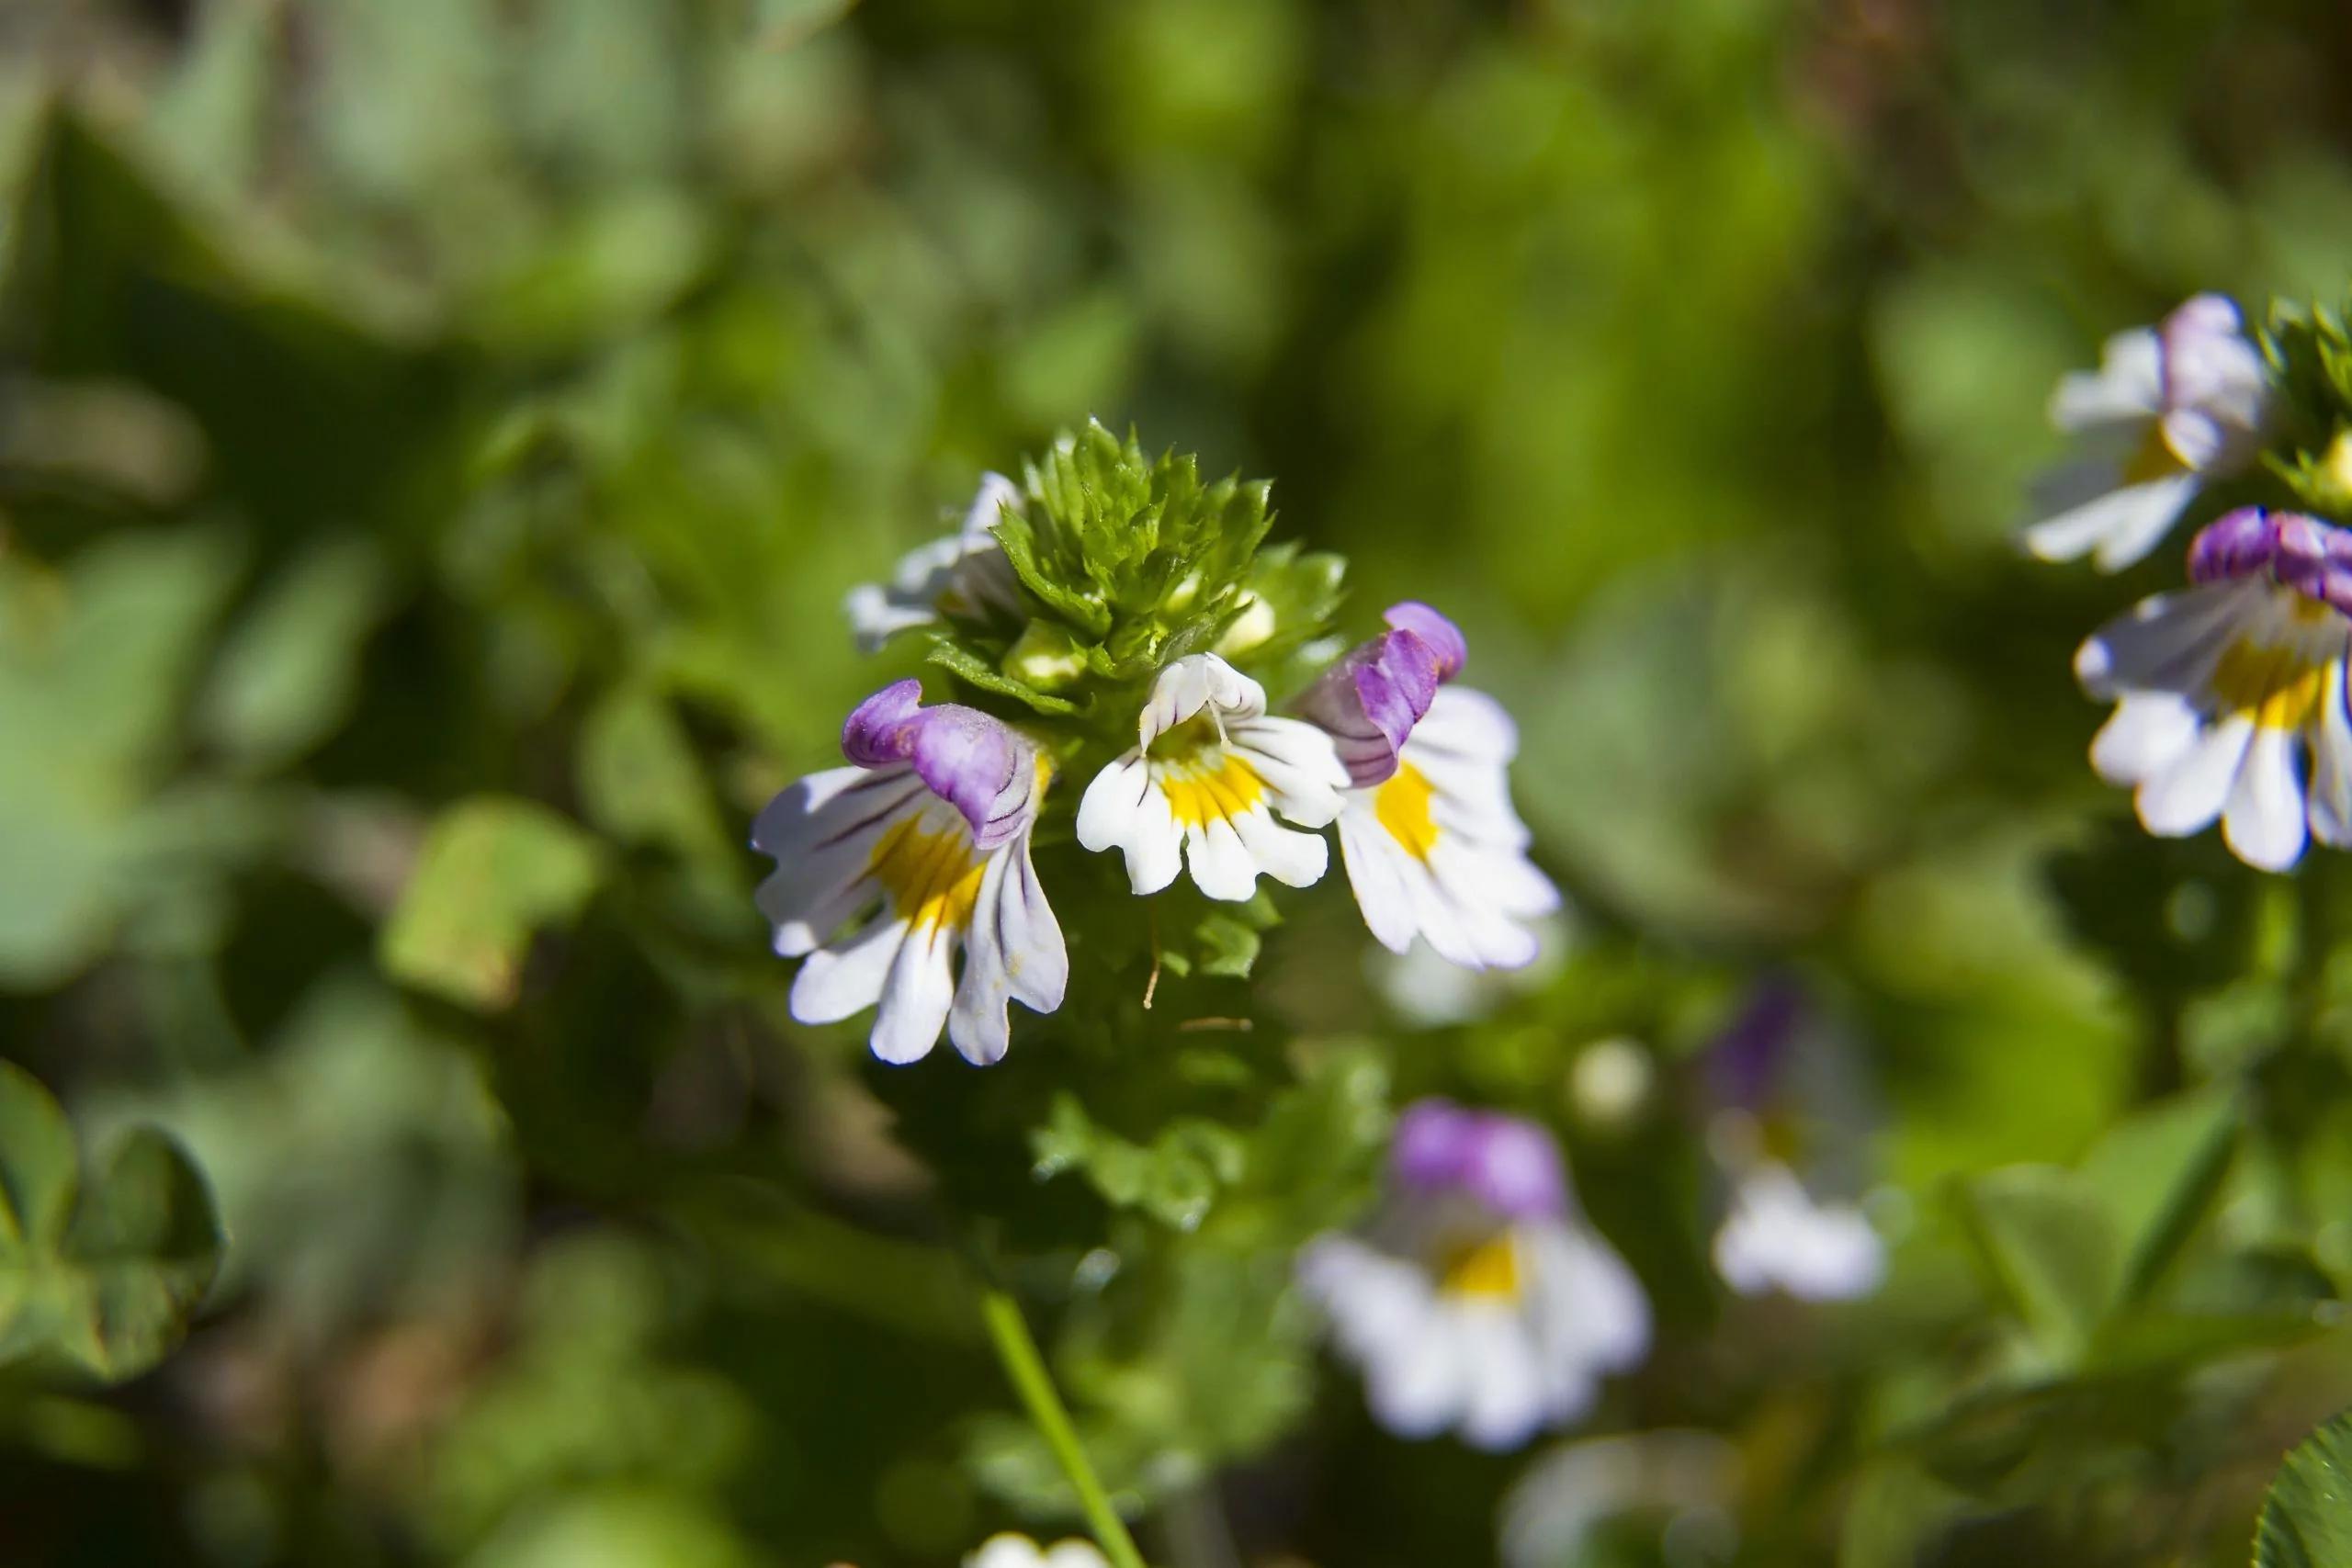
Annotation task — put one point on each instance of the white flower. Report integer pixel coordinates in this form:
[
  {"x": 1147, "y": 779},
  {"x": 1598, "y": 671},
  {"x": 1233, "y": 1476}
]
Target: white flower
[
  {"x": 1480, "y": 1301},
  {"x": 2231, "y": 694},
  {"x": 964, "y": 575},
  {"x": 1437, "y": 850},
  {"x": 933, "y": 826},
  {"x": 1204, "y": 782},
  {"x": 1011, "y": 1550},
  {"x": 1777, "y": 1236},
  {"x": 2169, "y": 407}
]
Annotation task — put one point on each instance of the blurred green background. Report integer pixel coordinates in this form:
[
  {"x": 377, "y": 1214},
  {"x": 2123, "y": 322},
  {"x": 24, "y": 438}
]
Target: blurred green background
[{"x": 435, "y": 436}]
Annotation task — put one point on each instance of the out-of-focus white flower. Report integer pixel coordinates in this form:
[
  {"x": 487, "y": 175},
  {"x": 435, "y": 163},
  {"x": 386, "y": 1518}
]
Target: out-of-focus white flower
[
  {"x": 1012, "y": 1550},
  {"x": 1784, "y": 1098},
  {"x": 2170, "y": 407},
  {"x": 932, "y": 824},
  {"x": 2230, "y": 694},
  {"x": 1479, "y": 1300},
  {"x": 964, "y": 576},
  {"x": 1204, "y": 782}
]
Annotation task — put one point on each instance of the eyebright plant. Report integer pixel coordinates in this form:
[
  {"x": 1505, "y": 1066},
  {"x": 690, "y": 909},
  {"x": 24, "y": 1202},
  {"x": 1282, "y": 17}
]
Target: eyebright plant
[
  {"x": 2230, "y": 692},
  {"x": 1140, "y": 672}
]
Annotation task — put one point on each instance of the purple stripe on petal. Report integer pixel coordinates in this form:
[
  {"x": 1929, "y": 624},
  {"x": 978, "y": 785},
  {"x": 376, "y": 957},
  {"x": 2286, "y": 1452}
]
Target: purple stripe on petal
[
  {"x": 1444, "y": 638},
  {"x": 2299, "y": 553},
  {"x": 973, "y": 761},
  {"x": 2236, "y": 543}
]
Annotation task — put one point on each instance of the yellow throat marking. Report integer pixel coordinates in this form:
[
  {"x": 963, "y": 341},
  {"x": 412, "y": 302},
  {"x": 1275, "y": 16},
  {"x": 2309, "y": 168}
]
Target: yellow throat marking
[
  {"x": 2154, "y": 458},
  {"x": 934, "y": 878},
  {"x": 1487, "y": 1270},
  {"x": 1402, "y": 807},
  {"x": 2277, "y": 687},
  {"x": 1216, "y": 786}
]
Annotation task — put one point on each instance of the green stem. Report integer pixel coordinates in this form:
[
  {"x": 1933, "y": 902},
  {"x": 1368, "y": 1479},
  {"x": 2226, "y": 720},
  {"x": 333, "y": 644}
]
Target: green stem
[{"x": 1026, "y": 1369}]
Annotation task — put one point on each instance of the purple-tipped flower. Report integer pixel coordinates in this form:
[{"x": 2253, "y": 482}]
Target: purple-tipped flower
[
  {"x": 1479, "y": 1300},
  {"x": 2231, "y": 694},
  {"x": 1369, "y": 701},
  {"x": 1433, "y": 845},
  {"x": 930, "y": 823},
  {"x": 972, "y": 761},
  {"x": 2171, "y": 406}
]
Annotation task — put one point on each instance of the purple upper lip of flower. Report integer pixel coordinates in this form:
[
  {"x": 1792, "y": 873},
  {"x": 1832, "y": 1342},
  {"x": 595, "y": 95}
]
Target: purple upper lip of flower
[
  {"x": 1747, "y": 1056},
  {"x": 1509, "y": 1164},
  {"x": 1370, "y": 699},
  {"x": 973, "y": 761},
  {"x": 2298, "y": 552}
]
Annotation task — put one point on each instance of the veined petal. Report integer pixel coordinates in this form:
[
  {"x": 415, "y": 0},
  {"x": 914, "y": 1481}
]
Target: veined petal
[
  {"x": 2331, "y": 743},
  {"x": 1194, "y": 684},
  {"x": 1376, "y": 873},
  {"x": 916, "y": 996},
  {"x": 839, "y": 982},
  {"x": 1296, "y": 762},
  {"x": 1125, "y": 809},
  {"x": 1014, "y": 951}
]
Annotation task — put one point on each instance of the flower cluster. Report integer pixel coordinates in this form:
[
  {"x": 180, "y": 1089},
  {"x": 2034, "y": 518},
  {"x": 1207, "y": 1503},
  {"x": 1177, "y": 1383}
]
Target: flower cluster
[
  {"x": 2230, "y": 700},
  {"x": 1106, "y": 615}
]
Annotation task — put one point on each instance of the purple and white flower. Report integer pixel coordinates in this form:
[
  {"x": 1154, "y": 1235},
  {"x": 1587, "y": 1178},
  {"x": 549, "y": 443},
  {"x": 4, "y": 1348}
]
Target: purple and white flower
[
  {"x": 1785, "y": 1133},
  {"x": 1433, "y": 845},
  {"x": 2169, "y": 408},
  {"x": 1202, "y": 786},
  {"x": 928, "y": 831},
  {"x": 2229, "y": 694},
  {"x": 1012, "y": 1550},
  {"x": 1479, "y": 1300},
  {"x": 964, "y": 576}
]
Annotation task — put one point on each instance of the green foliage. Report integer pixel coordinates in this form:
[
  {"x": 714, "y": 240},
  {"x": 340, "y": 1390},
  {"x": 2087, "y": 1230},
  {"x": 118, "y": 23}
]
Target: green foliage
[
  {"x": 436, "y": 438},
  {"x": 490, "y": 872},
  {"x": 2307, "y": 1517},
  {"x": 103, "y": 1273}
]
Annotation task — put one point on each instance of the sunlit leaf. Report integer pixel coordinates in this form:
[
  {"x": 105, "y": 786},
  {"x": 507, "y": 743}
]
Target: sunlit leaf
[{"x": 493, "y": 871}]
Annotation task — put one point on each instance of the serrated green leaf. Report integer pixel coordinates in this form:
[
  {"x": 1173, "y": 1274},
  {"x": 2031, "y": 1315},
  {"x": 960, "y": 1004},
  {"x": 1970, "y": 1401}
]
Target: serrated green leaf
[
  {"x": 2307, "y": 1516},
  {"x": 493, "y": 871},
  {"x": 109, "y": 1281}
]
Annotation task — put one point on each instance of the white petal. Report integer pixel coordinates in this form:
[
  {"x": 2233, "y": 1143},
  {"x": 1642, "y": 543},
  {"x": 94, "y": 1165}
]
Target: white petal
[
  {"x": 1223, "y": 867},
  {"x": 1377, "y": 864},
  {"x": 1073, "y": 1554},
  {"x": 1195, "y": 681},
  {"x": 1469, "y": 724},
  {"x": 1504, "y": 1398},
  {"x": 2264, "y": 824},
  {"x": 1416, "y": 1386},
  {"x": 2149, "y": 733},
  {"x": 1285, "y": 854},
  {"x": 1590, "y": 1305},
  {"x": 2188, "y": 795},
  {"x": 2331, "y": 743},
  {"x": 2167, "y": 642},
  {"x": 2117, "y": 528},
  {"x": 1777, "y": 1236},
  {"x": 1006, "y": 1551},
  {"x": 1298, "y": 765},
  {"x": 917, "y": 997},
  {"x": 840, "y": 981},
  {"x": 1124, "y": 808},
  {"x": 1014, "y": 949},
  {"x": 2127, "y": 385}
]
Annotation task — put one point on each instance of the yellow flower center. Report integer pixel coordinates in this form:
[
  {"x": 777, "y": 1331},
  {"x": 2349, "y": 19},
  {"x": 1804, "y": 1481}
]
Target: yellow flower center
[
  {"x": 2153, "y": 459},
  {"x": 1211, "y": 787},
  {"x": 1402, "y": 807},
  {"x": 2277, "y": 687},
  {"x": 1487, "y": 1270},
  {"x": 934, "y": 878}
]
